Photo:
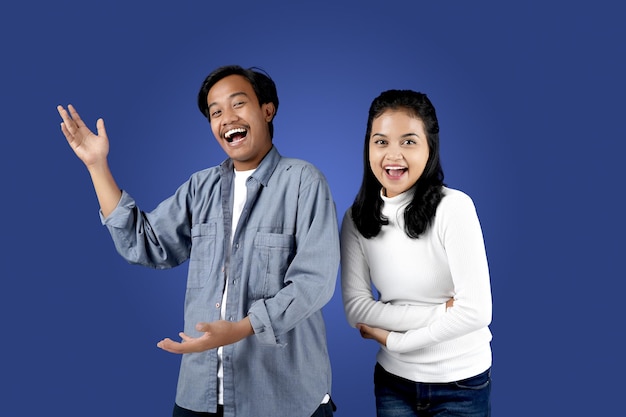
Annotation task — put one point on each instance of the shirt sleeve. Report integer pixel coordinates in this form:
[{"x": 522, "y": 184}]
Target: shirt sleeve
[
  {"x": 311, "y": 276},
  {"x": 458, "y": 226},
  {"x": 360, "y": 305},
  {"x": 159, "y": 239}
]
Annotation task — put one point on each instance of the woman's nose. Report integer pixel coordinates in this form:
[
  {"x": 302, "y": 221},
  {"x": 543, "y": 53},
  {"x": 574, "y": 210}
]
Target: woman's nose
[{"x": 394, "y": 155}]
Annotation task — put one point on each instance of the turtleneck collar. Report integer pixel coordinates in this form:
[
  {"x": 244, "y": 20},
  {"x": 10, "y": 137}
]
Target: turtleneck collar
[{"x": 399, "y": 199}]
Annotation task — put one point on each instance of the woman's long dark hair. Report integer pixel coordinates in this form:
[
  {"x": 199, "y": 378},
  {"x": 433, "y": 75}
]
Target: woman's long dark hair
[{"x": 420, "y": 213}]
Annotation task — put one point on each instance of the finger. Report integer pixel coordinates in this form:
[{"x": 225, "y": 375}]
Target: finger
[
  {"x": 365, "y": 332},
  {"x": 68, "y": 123},
  {"x": 171, "y": 346},
  {"x": 101, "y": 129},
  {"x": 66, "y": 132},
  {"x": 185, "y": 337},
  {"x": 69, "y": 136},
  {"x": 162, "y": 342},
  {"x": 76, "y": 117}
]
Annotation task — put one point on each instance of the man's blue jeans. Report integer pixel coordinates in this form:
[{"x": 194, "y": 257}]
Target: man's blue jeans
[{"x": 399, "y": 397}]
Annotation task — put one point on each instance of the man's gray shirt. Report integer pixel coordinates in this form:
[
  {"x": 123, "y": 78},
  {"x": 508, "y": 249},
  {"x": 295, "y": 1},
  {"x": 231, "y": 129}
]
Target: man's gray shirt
[{"x": 282, "y": 269}]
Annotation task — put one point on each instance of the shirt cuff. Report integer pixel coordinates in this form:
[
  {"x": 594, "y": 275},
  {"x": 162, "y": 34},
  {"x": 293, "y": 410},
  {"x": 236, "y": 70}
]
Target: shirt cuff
[
  {"x": 260, "y": 321},
  {"x": 118, "y": 218}
]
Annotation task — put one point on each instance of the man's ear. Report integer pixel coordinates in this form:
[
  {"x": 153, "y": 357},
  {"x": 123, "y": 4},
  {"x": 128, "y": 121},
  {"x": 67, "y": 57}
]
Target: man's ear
[{"x": 269, "y": 110}]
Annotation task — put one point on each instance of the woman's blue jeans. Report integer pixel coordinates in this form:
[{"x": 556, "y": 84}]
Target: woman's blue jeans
[{"x": 400, "y": 397}]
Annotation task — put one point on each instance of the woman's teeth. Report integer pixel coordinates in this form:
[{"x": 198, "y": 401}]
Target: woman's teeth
[{"x": 395, "y": 171}]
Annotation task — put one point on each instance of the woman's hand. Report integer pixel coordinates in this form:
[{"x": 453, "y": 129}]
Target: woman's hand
[{"x": 379, "y": 335}]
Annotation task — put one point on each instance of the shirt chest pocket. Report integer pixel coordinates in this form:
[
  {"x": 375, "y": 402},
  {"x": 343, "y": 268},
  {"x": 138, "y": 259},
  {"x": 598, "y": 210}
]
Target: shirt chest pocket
[
  {"x": 203, "y": 253},
  {"x": 272, "y": 255}
]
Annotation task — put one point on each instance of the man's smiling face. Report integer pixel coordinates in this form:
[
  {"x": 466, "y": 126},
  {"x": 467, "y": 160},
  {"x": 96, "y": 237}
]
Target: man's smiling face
[{"x": 239, "y": 123}]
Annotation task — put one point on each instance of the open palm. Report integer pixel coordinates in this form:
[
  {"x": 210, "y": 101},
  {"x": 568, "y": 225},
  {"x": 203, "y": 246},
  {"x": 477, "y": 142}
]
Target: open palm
[{"x": 89, "y": 147}]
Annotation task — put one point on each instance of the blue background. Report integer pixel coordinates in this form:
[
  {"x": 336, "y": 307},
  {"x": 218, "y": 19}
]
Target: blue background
[{"x": 530, "y": 99}]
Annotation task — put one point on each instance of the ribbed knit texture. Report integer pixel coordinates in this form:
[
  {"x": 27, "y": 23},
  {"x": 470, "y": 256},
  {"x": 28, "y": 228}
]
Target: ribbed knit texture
[{"x": 415, "y": 278}]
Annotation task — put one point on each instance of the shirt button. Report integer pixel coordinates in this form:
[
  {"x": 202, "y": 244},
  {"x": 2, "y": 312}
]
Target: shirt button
[{"x": 217, "y": 305}]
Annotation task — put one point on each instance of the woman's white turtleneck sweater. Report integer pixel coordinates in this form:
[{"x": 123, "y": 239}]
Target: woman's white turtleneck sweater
[{"x": 415, "y": 278}]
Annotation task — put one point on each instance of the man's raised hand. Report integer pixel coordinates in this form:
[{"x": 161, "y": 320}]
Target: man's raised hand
[{"x": 90, "y": 148}]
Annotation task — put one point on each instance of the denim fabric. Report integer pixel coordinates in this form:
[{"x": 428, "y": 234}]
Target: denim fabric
[
  {"x": 399, "y": 397},
  {"x": 281, "y": 269}
]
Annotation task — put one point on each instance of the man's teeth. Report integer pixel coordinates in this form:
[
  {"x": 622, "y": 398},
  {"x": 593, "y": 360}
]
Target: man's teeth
[{"x": 228, "y": 135}]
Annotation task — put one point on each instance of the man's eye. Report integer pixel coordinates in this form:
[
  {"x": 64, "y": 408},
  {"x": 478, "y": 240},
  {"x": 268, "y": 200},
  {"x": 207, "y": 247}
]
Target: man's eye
[
  {"x": 215, "y": 113},
  {"x": 238, "y": 104}
]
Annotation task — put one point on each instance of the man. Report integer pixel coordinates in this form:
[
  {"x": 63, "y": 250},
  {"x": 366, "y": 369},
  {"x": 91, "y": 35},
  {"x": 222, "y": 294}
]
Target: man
[{"x": 261, "y": 235}]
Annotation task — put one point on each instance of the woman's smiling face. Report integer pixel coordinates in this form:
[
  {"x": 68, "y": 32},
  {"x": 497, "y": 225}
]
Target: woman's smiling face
[{"x": 398, "y": 150}]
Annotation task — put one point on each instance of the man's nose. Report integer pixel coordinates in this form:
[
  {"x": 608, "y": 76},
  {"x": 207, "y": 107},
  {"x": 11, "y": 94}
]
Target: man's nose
[{"x": 228, "y": 116}]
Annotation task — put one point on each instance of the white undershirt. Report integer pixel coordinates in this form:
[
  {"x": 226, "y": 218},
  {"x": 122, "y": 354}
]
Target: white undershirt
[{"x": 239, "y": 200}]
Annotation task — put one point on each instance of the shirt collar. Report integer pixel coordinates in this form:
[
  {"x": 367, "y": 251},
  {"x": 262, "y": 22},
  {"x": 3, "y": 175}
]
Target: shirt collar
[{"x": 263, "y": 171}]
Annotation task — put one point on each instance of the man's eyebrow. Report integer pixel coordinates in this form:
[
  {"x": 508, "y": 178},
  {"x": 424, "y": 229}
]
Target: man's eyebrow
[{"x": 238, "y": 93}]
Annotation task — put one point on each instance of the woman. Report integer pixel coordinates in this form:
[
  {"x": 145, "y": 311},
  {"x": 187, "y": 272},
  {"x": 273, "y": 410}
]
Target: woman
[{"x": 420, "y": 245}]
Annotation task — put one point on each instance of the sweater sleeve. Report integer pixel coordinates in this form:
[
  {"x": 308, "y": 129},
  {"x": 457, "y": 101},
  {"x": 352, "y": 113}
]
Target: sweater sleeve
[
  {"x": 459, "y": 229},
  {"x": 359, "y": 302}
]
